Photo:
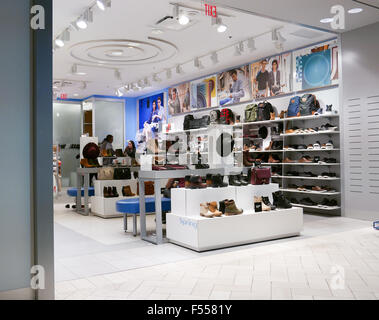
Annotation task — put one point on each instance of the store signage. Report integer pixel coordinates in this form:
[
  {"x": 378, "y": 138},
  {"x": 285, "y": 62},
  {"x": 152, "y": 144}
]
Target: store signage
[
  {"x": 210, "y": 11},
  {"x": 64, "y": 96},
  {"x": 38, "y": 20}
]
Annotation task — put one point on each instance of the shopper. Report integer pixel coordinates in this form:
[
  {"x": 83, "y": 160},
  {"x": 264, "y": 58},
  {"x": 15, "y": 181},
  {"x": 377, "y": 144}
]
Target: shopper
[
  {"x": 236, "y": 91},
  {"x": 274, "y": 79},
  {"x": 262, "y": 80},
  {"x": 106, "y": 147}
]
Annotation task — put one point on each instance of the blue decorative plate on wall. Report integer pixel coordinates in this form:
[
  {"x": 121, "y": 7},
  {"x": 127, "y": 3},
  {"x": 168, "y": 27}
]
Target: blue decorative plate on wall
[{"x": 316, "y": 69}]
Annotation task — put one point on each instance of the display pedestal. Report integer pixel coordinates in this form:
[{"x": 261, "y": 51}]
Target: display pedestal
[
  {"x": 201, "y": 234},
  {"x": 187, "y": 228},
  {"x": 106, "y": 207}
]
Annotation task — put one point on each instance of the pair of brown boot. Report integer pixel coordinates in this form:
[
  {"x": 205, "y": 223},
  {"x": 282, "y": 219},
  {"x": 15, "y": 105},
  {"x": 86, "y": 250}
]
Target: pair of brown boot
[
  {"x": 127, "y": 192},
  {"x": 229, "y": 208},
  {"x": 209, "y": 210},
  {"x": 110, "y": 192}
]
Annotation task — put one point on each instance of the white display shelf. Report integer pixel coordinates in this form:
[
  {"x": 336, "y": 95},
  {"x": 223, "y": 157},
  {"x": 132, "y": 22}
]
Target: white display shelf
[
  {"x": 309, "y": 134},
  {"x": 106, "y": 207},
  {"x": 202, "y": 234},
  {"x": 311, "y": 192},
  {"x": 316, "y": 207},
  {"x": 306, "y": 178}
]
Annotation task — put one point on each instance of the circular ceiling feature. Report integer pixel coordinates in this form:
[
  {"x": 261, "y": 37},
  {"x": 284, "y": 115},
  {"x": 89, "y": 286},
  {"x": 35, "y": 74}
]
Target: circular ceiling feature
[{"x": 123, "y": 51}]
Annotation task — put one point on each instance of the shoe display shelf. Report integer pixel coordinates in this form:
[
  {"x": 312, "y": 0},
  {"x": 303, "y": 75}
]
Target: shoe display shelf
[
  {"x": 316, "y": 168},
  {"x": 187, "y": 228},
  {"x": 106, "y": 207}
]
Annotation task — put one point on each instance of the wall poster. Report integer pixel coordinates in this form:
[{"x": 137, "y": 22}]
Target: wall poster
[
  {"x": 204, "y": 93},
  {"x": 234, "y": 86},
  {"x": 179, "y": 99}
]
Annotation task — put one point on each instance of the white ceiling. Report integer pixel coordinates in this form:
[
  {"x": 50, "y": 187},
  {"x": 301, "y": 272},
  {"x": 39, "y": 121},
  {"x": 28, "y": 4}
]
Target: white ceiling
[
  {"x": 309, "y": 12},
  {"x": 128, "y": 25}
]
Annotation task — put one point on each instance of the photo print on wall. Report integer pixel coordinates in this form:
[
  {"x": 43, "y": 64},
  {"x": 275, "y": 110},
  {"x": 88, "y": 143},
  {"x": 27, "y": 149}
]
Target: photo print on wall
[
  {"x": 316, "y": 66},
  {"x": 204, "y": 93},
  {"x": 271, "y": 77},
  {"x": 179, "y": 99},
  {"x": 233, "y": 86}
]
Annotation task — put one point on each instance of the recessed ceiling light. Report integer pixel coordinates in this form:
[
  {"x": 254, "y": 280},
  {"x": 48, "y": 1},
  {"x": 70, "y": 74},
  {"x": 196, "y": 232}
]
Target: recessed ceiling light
[
  {"x": 116, "y": 53},
  {"x": 183, "y": 20},
  {"x": 326, "y": 20},
  {"x": 355, "y": 10},
  {"x": 76, "y": 94}
]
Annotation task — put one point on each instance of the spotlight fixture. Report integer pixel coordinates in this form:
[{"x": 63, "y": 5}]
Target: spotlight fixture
[
  {"x": 103, "y": 4},
  {"x": 146, "y": 83},
  {"x": 140, "y": 84},
  {"x": 84, "y": 85},
  {"x": 59, "y": 42},
  {"x": 117, "y": 74},
  {"x": 156, "y": 78},
  {"x": 119, "y": 93},
  {"x": 239, "y": 48},
  {"x": 281, "y": 39},
  {"x": 81, "y": 23},
  {"x": 168, "y": 73},
  {"x": 217, "y": 22},
  {"x": 179, "y": 69},
  {"x": 74, "y": 70},
  {"x": 251, "y": 44},
  {"x": 197, "y": 63},
  {"x": 180, "y": 17},
  {"x": 214, "y": 57},
  {"x": 274, "y": 35}
]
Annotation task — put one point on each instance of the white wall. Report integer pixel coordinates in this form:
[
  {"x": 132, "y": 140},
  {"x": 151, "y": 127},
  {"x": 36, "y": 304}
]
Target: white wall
[{"x": 360, "y": 96}]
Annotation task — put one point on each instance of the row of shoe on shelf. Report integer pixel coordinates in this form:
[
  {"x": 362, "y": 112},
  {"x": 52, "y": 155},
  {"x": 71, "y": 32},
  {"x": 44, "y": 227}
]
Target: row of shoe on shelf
[
  {"x": 111, "y": 192},
  {"x": 325, "y": 127},
  {"x": 229, "y": 208},
  {"x": 315, "y": 146},
  {"x": 325, "y": 204},
  {"x": 319, "y": 189},
  {"x": 306, "y": 174},
  {"x": 214, "y": 181}
]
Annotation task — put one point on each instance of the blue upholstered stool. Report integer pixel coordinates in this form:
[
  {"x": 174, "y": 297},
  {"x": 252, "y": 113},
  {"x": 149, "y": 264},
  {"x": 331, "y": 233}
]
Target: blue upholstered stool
[
  {"x": 72, "y": 192},
  {"x": 131, "y": 206}
]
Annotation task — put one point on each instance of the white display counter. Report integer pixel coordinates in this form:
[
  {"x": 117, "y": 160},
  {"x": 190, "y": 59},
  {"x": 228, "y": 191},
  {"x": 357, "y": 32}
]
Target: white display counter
[{"x": 187, "y": 228}]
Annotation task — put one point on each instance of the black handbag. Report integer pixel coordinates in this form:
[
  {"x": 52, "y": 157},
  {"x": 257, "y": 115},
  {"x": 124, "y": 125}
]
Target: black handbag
[
  {"x": 122, "y": 174},
  {"x": 187, "y": 121}
]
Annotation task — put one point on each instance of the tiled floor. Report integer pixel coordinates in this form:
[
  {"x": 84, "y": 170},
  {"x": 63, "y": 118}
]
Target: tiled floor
[{"x": 334, "y": 258}]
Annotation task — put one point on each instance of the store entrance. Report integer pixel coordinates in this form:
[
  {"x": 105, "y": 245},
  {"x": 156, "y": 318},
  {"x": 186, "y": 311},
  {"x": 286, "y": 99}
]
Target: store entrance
[{"x": 228, "y": 132}]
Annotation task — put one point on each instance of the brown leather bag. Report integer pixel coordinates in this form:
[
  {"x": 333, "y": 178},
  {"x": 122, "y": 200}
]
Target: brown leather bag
[{"x": 149, "y": 188}]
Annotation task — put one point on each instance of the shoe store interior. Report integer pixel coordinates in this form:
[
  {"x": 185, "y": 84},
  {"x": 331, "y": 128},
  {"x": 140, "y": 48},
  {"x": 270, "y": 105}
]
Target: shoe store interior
[{"x": 215, "y": 150}]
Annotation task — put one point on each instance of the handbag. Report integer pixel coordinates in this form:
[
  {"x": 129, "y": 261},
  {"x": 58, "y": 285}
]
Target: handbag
[
  {"x": 149, "y": 188},
  {"x": 105, "y": 173},
  {"x": 260, "y": 175},
  {"x": 122, "y": 174}
]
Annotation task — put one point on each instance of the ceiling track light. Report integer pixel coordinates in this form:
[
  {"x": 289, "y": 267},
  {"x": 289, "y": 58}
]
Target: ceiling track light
[
  {"x": 74, "y": 70},
  {"x": 146, "y": 83},
  {"x": 156, "y": 78},
  {"x": 239, "y": 48},
  {"x": 251, "y": 44},
  {"x": 59, "y": 42},
  {"x": 81, "y": 23},
  {"x": 181, "y": 17},
  {"x": 214, "y": 57},
  {"x": 119, "y": 93},
  {"x": 179, "y": 69},
  {"x": 168, "y": 73},
  {"x": 103, "y": 4},
  {"x": 117, "y": 74},
  {"x": 84, "y": 85},
  {"x": 281, "y": 39},
  {"x": 197, "y": 63}
]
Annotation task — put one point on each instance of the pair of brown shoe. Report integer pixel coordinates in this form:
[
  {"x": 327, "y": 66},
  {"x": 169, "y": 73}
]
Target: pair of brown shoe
[
  {"x": 127, "y": 192},
  {"x": 209, "y": 210}
]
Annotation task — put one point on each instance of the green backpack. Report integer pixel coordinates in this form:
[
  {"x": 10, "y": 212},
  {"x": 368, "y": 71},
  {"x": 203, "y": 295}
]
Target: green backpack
[{"x": 251, "y": 113}]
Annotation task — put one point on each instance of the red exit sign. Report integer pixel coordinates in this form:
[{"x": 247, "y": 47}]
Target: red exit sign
[{"x": 210, "y": 11}]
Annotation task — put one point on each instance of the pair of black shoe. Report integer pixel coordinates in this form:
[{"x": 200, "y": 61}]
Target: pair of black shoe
[
  {"x": 215, "y": 181},
  {"x": 110, "y": 192},
  {"x": 238, "y": 180},
  {"x": 280, "y": 201}
]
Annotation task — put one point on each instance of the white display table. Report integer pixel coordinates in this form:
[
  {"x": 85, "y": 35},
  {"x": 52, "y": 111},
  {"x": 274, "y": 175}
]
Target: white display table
[
  {"x": 187, "y": 228},
  {"x": 106, "y": 207}
]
